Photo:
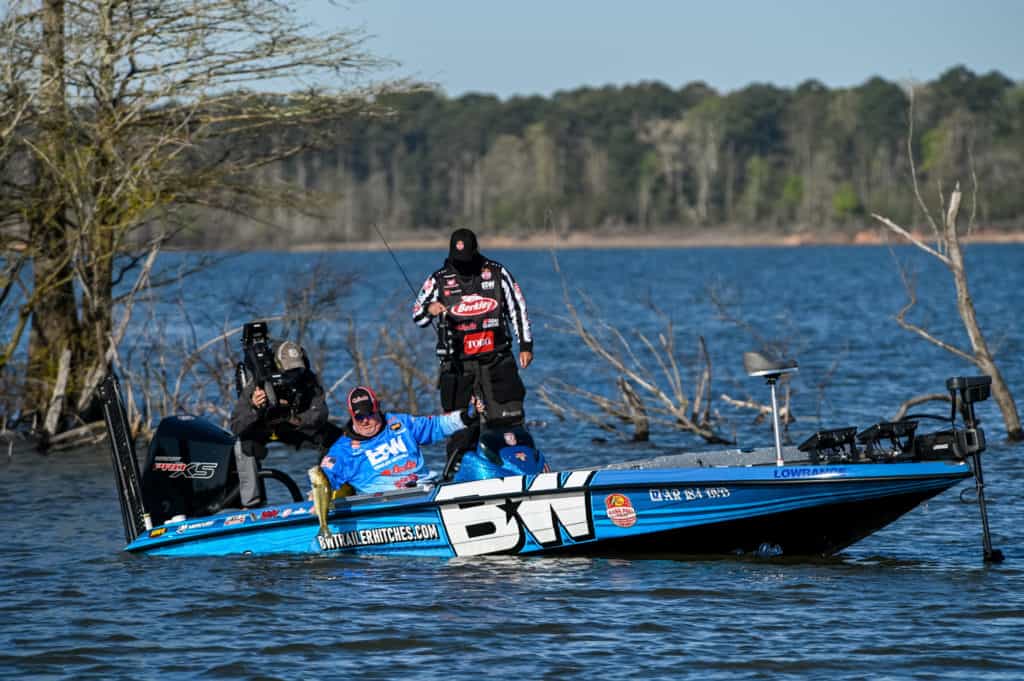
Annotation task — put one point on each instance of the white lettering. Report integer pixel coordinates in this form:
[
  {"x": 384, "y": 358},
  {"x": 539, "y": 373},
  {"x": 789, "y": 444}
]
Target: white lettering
[
  {"x": 499, "y": 524},
  {"x": 381, "y": 454}
]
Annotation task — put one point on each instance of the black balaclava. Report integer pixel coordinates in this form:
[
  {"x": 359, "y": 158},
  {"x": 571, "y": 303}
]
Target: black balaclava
[{"x": 464, "y": 253}]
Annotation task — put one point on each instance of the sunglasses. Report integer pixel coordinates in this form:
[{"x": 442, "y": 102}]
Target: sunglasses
[{"x": 365, "y": 417}]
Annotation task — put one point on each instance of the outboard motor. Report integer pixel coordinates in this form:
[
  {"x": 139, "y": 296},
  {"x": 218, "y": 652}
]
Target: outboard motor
[
  {"x": 502, "y": 452},
  {"x": 190, "y": 469}
]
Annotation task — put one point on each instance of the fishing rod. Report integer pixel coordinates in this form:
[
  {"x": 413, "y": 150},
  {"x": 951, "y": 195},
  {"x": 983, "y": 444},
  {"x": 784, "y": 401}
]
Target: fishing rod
[
  {"x": 401, "y": 269},
  {"x": 408, "y": 282}
]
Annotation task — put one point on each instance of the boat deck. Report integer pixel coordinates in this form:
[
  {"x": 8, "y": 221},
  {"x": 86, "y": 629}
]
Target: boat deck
[{"x": 761, "y": 456}]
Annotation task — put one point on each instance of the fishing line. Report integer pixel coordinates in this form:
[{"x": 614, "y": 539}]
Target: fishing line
[
  {"x": 433, "y": 322},
  {"x": 395, "y": 258}
]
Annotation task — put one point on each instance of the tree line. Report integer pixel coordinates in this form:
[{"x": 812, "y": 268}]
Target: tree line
[{"x": 648, "y": 157}]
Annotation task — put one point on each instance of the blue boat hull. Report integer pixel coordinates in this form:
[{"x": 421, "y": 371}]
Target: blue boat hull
[{"x": 802, "y": 509}]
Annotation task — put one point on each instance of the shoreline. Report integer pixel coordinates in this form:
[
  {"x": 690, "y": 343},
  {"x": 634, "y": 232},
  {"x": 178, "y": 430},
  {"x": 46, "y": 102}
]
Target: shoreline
[{"x": 598, "y": 241}]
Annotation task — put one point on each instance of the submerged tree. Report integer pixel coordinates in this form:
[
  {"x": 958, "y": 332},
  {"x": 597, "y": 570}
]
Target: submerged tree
[
  {"x": 120, "y": 115},
  {"x": 949, "y": 238}
]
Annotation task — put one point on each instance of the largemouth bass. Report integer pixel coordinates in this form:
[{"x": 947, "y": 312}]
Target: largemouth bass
[{"x": 321, "y": 497}]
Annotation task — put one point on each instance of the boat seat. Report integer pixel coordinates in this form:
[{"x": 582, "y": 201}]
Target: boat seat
[{"x": 756, "y": 364}]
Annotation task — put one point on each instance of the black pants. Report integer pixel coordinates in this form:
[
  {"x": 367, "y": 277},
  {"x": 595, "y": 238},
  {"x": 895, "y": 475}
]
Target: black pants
[{"x": 495, "y": 380}]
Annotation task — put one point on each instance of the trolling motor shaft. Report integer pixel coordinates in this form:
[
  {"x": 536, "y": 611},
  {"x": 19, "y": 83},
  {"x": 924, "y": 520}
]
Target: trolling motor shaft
[{"x": 964, "y": 392}]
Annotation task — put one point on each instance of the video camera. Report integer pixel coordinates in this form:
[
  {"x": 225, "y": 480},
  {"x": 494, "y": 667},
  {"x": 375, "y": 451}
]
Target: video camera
[{"x": 285, "y": 389}]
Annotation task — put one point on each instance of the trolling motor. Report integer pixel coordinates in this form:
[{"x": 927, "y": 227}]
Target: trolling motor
[
  {"x": 757, "y": 364},
  {"x": 969, "y": 442}
]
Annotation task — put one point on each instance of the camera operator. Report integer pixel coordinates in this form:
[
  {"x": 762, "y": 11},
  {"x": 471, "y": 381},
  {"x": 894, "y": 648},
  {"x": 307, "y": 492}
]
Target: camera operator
[{"x": 297, "y": 414}]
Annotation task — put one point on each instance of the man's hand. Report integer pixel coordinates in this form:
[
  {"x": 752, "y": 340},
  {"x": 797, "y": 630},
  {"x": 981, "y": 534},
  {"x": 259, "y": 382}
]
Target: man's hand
[
  {"x": 525, "y": 358},
  {"x": 436, "y": 308},
  {"x": 259, "y": 398}
]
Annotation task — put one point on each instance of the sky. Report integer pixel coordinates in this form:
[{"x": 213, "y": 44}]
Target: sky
[{"x": 526, "y": 47}]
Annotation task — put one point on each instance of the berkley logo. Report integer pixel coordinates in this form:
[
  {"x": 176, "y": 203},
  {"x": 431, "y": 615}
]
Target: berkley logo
[
  {"x": 620, "y": 510},
  {"x": 476, "y": 343},
  {"x": 474, "y": 306}
]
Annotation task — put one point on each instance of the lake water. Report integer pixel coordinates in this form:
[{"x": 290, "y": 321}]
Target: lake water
[{"x": 913, "y": 601}]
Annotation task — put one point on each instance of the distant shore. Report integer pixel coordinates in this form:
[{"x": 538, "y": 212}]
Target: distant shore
[{"x": 598, "y": 241}]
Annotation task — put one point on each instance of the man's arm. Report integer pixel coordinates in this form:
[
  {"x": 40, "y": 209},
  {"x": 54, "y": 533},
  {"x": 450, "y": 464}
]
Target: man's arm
[
  {"x": 335, "y": 462},
  {"x": 515, "y": 307},
  {"x": 427, "y": 295},
  {"x": 316, "y": 415},
  {"x": 427, "y": 430},
  {"x": 245, "y": 415}
]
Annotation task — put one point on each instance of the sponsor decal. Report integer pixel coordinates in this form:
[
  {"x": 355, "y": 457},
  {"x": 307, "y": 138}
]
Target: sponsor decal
[
  {"x": 192, "y": 471},
  {"x": 490, "y": 323},
  {"x": 381, "y": 455},
  {"x": 356, "y": 444},
  {"x": 400, "y": 468},
  {"x": 234, "y": 520},
  {"x": 487, "y": 285},
  {"x": 170, "y": 467},
  {"x": 286, "y": 512},
  {"x": 396, "y": 426},
  {"x": 807, "y": 472},
  {"x": 475, "y": 343},
  {"x": 377, "y": 536},
  {"x": 485, "y": 274},
  {"x": 474, "y": 306},
  {"x": 267, "y": 515},
  {"x": 620, "y": 510},
  {"x": 466, "y": 326},
  {"x": 327, "y": 462},
  {"x": 521, "y": 456},
  {"x": 502, "y": 524},
  {"x": 153, "y": 534},
  {"x": 182, "y": 529},
  {"x": 407, "y": 481},
  {"x": 510, "y": 439},
  {"x": 450, "y": 291}
]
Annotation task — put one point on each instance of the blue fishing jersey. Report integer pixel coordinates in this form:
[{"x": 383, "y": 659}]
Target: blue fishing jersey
[{"x": 391, "y": 459}]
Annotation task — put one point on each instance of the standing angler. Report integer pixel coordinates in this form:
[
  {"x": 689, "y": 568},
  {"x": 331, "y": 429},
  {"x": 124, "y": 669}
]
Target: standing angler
[{"x": 476, "y": 300}]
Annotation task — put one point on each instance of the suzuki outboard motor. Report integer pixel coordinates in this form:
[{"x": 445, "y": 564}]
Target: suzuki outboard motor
[
  {"x": 190, "y": 469},
  {"x": 502, "y": 452}
]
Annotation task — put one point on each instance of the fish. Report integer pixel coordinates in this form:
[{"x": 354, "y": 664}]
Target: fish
[{"x": 321, "y": 497}]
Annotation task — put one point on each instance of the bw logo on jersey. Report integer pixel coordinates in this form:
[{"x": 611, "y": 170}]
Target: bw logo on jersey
[{"x": 382, "y": 455}]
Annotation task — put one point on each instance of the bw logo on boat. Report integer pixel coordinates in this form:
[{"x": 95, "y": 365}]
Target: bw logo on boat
[{"x": 546, "y": 511}]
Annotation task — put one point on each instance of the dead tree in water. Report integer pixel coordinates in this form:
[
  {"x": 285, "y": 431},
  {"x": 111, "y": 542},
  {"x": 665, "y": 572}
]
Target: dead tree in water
[
  {"x": 649, "y": 379},
  {"x": 948, "y": 249}
]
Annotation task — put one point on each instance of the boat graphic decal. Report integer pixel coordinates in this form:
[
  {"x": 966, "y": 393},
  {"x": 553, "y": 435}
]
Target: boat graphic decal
[
  {"x": 788, "y": 473},
  {"x": 503, "y": 524},
  {"x": 394, "y": 534},
  {"x": 620, "y": 510}
]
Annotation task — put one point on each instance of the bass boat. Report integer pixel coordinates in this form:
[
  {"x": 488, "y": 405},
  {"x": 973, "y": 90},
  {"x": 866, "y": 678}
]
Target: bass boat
[{"x": 837, "y": 487}]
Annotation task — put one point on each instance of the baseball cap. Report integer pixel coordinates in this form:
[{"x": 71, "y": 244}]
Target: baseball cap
[
  {"x": 463, "y": 246},
  {"x": 289, "y": 356},
  {"x": 362, "y": 402}
]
